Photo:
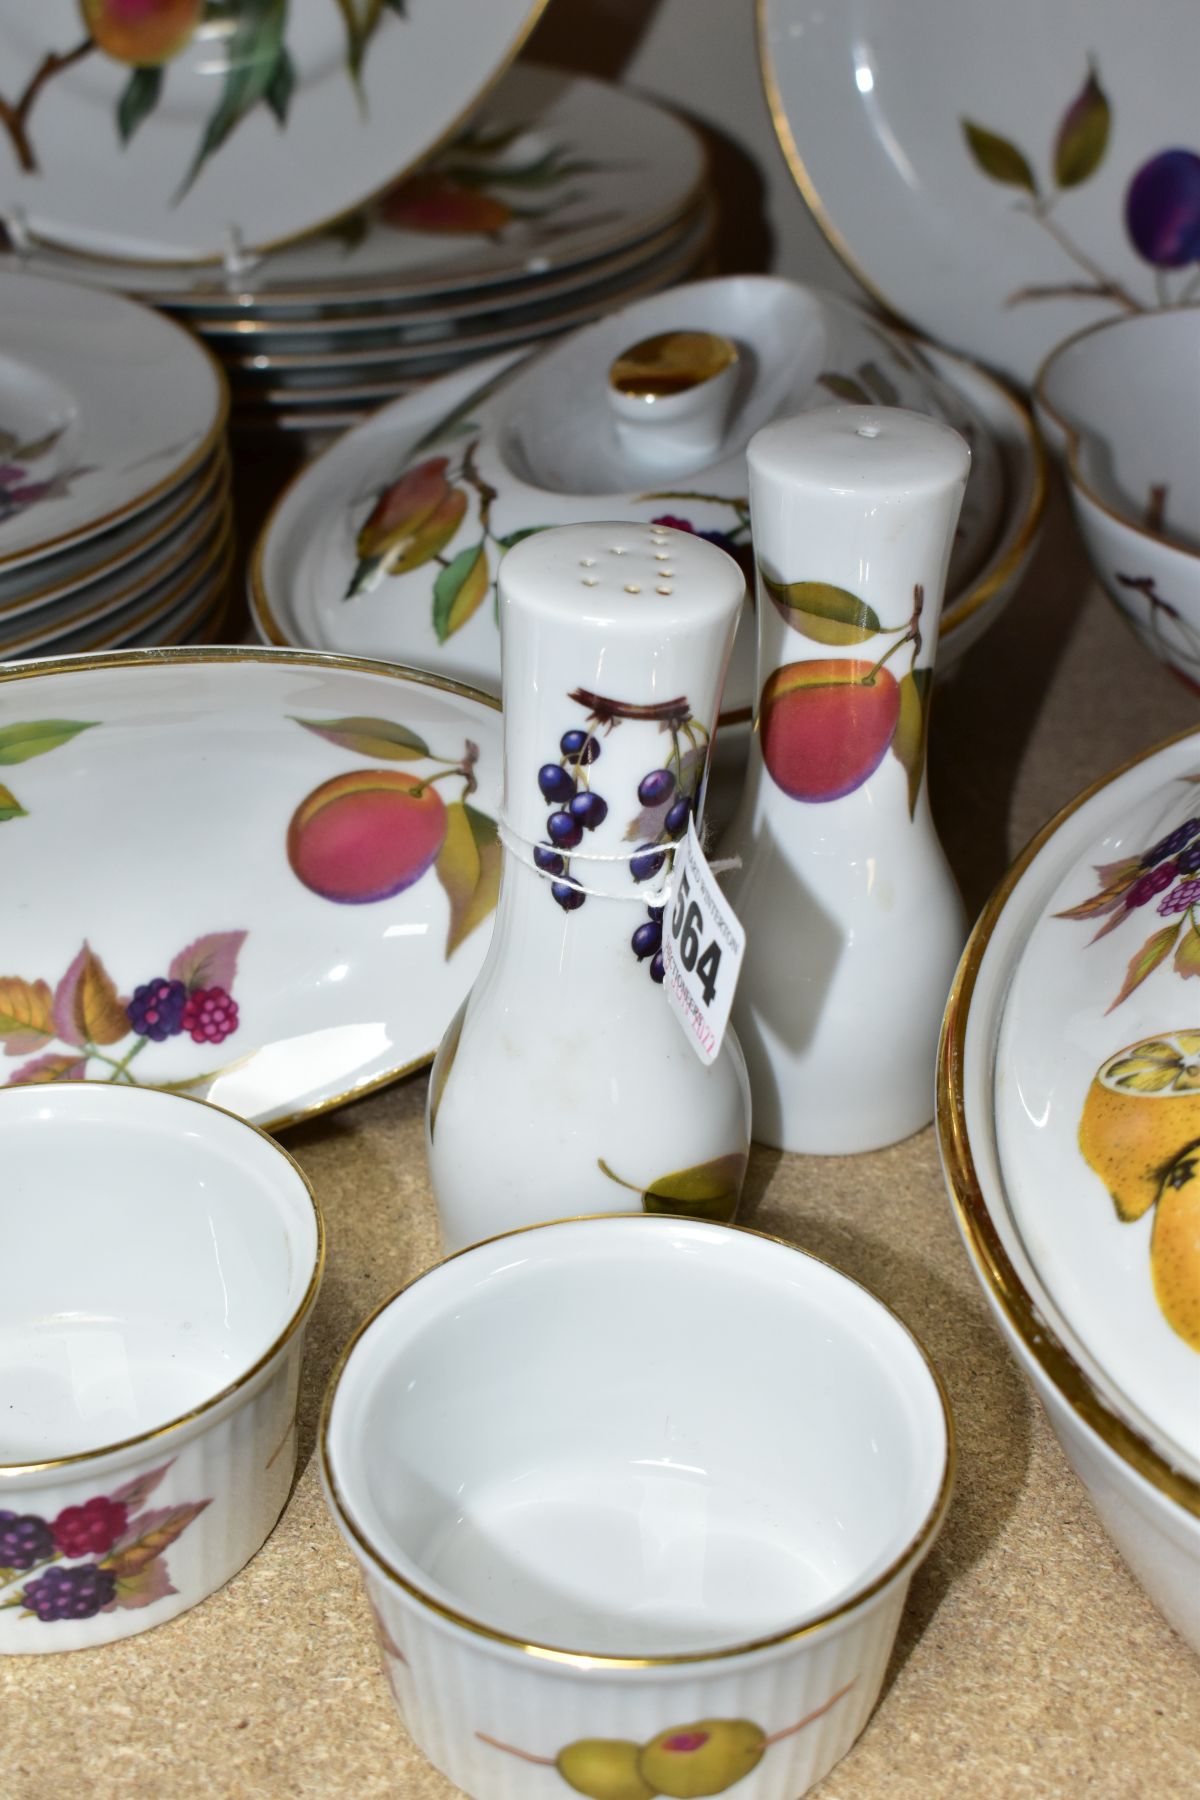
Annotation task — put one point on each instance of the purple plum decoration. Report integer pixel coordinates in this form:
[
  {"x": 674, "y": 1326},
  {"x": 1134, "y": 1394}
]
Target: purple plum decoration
[{"x": 1162, "y": 209}]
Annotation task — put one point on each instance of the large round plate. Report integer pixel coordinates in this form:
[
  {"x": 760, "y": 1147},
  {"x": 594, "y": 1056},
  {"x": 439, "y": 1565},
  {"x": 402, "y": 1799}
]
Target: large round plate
[
  {"x": 182, "y": 129},
  {"x": 305, "y": 562},
  {"x": 1076, "y": 1194},
  {"x": 182, "y": 774},
  {"x": 555, "y": 170},
  {"x": 974, "y": 167},
  {"x": 105, "y": 407}
]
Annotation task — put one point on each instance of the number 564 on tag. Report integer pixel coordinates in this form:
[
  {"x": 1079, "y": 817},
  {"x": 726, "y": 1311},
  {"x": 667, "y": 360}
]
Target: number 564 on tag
[{"x": 703, "y": 943}]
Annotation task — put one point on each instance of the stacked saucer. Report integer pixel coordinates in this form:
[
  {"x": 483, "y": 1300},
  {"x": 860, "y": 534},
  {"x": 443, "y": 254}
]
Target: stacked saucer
[
  {"x": 115, "y": 513},
  {"x": 563, "y": 198}
]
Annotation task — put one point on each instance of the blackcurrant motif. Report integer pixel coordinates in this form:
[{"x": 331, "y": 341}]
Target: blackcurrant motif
[
  {"x": 568, "y": 894},
  {"x": 564, "y": 831},
  {"x": 555, "y": 783},
  {"x": 646, "y": 862},
  {"x": 589, "y": 809},
  {"x": 676, "y": 821},
  {"x": 656, "y": 787},
  {"x": 647, "y": 940},
  {"x": 579, "y": 746},
  {"x": 668, "y": 795}
]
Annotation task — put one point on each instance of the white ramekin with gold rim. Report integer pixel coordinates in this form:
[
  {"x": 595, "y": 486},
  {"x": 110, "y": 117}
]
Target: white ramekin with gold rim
[
  {"x": 636, "y": 1501},
  {"x": 161, "y": 1259}
]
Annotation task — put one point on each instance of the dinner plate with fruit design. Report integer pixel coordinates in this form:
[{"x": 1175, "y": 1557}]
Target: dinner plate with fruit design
[
  {"x": 293, "y": 883},
  {"x": 192, "y": 129},
  {"x": 1075, "y": 1078},
  {"x": 1001, "y": 178}
]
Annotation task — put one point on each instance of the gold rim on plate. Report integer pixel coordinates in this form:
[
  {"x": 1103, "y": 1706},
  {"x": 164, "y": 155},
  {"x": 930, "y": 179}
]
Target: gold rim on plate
[
  {"x": 13, "y": 1471},
  {"x": 118, "y": 621},
  {"x": 219, "y": 467},
  {"x": 920, "y": 1541},
  {"x": 183, "y": 654},
  {"x": 993, "y": 1266},
  {"x": 210, "y": 514},
  {"x": 213, "y": 436}
]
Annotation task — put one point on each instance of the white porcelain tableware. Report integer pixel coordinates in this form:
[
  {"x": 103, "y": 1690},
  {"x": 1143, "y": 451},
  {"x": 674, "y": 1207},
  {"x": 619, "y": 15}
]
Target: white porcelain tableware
[
  {"x": 636, "y": 1502},
  {"x": 1120, "y": 401},
  {"x": 853, "y": 922},
  {"x": 1000, "y": 181},
  {"x": 302, "y": 863},
  {"x": 180, "y": 132},
  {"x": 148, "y": 587},
  {"x": 563, "y": 1071},
  {"x": 150, "y": 1353},
  {"x": 1069, "y": 1114},
  {"x": 553, "y": 172},
  {"x": 105, "y": 409},
  {"x": 97, "y": 561},
  {"x": 542, "y": 438}
]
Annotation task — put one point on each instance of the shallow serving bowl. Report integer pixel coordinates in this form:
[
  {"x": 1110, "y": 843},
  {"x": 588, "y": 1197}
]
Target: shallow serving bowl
[
  {"x": 163, "y": 1258},
  {"x": 1120, "y": 403},
  {"x": 637, "y": 1502},
  {"x": 1069, "y": 1115}
]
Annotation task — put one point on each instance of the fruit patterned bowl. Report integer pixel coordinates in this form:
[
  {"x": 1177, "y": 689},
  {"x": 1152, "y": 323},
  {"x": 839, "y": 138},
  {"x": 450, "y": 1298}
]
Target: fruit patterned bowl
[
  {"x": 389, "y": 544},
  {"x": 1119, "y": 403},
  {"x": 667, "y": 1558},
  {"x": 168, "y": 1256},
  {"x": 1069, "y": 1114}
]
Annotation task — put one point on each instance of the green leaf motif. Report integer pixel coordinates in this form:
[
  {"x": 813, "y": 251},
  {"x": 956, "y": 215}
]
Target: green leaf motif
[
  {"x": 998, "y": 157},
  {"x": 442, "y": 1065},
  {"x": 281, "y": 85},
  {"x": 10, "y": 806},
  {"x": 1156, "y": 948},
  {"x": 459, "y": 591},
  {"x": 912, "y": 730},
  {"x": 518, "y": 537},
  {"x": 823, "y": 612},
  {"x": 1187, "y": 956},
  {"x": 380, "y": 739},
  {"x": 139, "y": 97},
  {"x": 468, "y": 867},
  {"x": 252, "y": 54},
  {"x": 711, "y": 1190},
  {"x": 844, "y": 387},
  {"x": 35, "y": 737},
  {"x": 880, "y": 385},
  {"x": 1083, "y": 134}
]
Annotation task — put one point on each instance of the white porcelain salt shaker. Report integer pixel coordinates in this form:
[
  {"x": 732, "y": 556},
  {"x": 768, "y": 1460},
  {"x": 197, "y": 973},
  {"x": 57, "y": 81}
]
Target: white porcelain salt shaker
[
  {"x": 563, "y": 1086},
  {"x": 854, "y": 923}
]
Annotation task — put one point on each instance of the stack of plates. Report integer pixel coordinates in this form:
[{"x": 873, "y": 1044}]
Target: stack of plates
[
  {"x": 115, "y": 515},
  {"x": 562, "y": 199}
]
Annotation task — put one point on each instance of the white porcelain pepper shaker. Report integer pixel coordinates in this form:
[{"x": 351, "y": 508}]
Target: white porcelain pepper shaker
[
  {"x": 854, "y": 923},
  {"x": 563, "y": 1086}
]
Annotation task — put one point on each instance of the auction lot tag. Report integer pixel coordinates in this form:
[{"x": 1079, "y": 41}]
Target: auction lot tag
[{"x": 703, "y": 944}]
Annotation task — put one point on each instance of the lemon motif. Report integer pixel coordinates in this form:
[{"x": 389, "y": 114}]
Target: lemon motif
[
  {"x": 1175, "y": 1247},
  {"x": 1142, "y": 1111}
]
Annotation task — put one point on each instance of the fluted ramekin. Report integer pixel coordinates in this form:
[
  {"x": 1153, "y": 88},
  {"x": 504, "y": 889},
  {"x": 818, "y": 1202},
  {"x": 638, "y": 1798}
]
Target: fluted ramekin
[
  {"x": 637, "y": 1501},
  {"x": 161, "y": 1257}
]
